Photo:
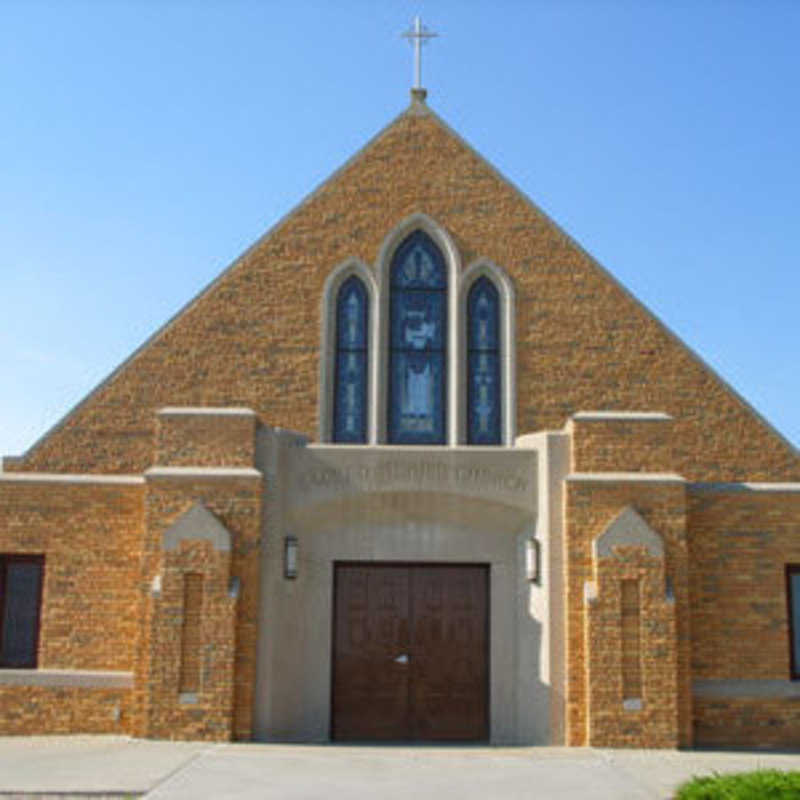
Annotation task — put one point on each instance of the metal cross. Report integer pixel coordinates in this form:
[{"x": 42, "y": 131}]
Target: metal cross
[{"x": 419, "y": 36}]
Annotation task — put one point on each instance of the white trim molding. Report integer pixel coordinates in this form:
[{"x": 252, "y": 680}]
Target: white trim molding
[
  {"x": 725, "y": 488},
  {"x": 621, "y": 416},
  {"x": 327, "y": 361},
  {"x": 73, "y": 678},
  {"x": 624, "y": 477},
  {"x": 484, "y": 268},
  {"x": 212, "y": 411},
  {"x": 200, "y": 473},
  {"x": 746, "y": 688},
  {"x": 66, "y": 477}
]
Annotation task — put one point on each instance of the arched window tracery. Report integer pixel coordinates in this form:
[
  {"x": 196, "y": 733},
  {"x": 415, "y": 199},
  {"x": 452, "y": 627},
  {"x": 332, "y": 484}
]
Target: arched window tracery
[
  {"x": 350, "y": 404},
  {"x": 417, "y": 408},
  {"x": 484, "y": 391}
]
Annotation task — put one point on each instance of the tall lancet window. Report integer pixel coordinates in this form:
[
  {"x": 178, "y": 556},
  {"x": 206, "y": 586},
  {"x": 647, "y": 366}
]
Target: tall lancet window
[
  {"x": 483, "y": 363},
  {"x": 350, "y": 392},
  {"x": 418, "y": 343}
]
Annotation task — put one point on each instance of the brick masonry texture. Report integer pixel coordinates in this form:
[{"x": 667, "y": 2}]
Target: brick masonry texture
[
  {"x": 622, "y": 446},
  {"x": 90, "y": 536},
  {"x": 208, "y": 439},
  {"x": 610, "y": 724},
  {"x": 34, "y": 709},
  {"x": 593, "y": 646},
  {"x": 747, "y": 722},
  {"x": 739, "y": 545},
  {"x": 713, "y": 607},
  {"x": 253, "y": 339},
  {"x": 224, "y": 706}
]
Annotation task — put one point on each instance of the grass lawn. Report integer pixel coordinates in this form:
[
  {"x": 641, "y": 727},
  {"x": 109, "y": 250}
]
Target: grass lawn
[{"x": 764, "y": 784}]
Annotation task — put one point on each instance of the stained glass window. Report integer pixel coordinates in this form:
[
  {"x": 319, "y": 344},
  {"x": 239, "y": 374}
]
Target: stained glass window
[
  {"x": 418, "y": 343},
  {"x": 350, "y": 393},
  {"x": 483, "y": 363}
]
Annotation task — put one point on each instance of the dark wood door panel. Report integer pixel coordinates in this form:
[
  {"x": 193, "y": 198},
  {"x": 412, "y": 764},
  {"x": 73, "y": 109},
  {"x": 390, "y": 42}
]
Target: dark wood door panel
[
  {"x": 371, "y": 631},
  {"x": 448, "y": 653},
  {"x": 410, "y": 652}
]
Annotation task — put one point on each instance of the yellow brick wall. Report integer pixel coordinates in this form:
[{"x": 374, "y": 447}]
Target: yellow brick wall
[
  {"x": 590, "y": 507},
  {"x": 739, "y": 545},
  {"x": 193, "y": 637},
  {"x": 747, "y": 722},
  {"x": 207, "y": 439},
  {"x": 654, "y": 662},
  {"x": 166, "y": 711},
  {"x": 254, "y": 339},
  {"x": 237, "y": 504},
  {"x": 30, "y": 710},
  {"x": 90, "y": 537},
  {"x": 622, "y": 445}
]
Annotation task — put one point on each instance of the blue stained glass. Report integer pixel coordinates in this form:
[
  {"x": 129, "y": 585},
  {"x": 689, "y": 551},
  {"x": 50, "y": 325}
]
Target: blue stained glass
[
  {"x": 483, "y": 367},
  {"x": 418, "y": 343},
  {"x": 418, "y": 264},
  {"x": 418, "y": 320},
  {"x": 350, "y": 393},
  {"x": 484, "y": 398},
  {"x": 351, "y": 315},
  {"x": 483, "y": 310},
  {"x": 417, "y": 398}
]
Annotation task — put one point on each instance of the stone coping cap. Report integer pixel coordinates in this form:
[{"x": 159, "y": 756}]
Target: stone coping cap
[
  {"x": 65, "y": 477},
  {"x": 202, "y": 472},
  {"x": 626, "y": 477},
  {"x": 221, "y": 411},
  {"x": 764, "y": 688},
  {"x": 81, "y": 678},
  {"x": 744, "y": 487},
  {"x": 628, "y": 416}
]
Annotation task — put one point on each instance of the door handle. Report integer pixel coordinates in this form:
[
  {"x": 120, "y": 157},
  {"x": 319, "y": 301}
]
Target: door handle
[{"x": 403, "y": 659}]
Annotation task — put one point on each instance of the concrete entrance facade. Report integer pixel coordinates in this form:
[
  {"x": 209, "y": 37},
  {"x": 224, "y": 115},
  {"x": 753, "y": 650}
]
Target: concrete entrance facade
[{"x": 406, "y": 505}]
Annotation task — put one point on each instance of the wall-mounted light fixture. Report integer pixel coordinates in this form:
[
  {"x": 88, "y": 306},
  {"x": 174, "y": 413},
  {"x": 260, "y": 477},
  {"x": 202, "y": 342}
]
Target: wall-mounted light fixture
[
  {"x": 290, "y": 557},
  {"x": 533, "y": 561}
]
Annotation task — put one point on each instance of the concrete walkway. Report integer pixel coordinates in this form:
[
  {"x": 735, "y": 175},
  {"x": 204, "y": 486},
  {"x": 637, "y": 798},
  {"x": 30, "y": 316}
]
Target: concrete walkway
[{"x": 98, "y": 766}]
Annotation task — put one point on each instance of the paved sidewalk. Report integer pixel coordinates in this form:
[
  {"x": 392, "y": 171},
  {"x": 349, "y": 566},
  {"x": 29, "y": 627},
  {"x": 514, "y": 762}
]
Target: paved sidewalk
[
  {"x": 110, "y": 765},
  {"x": 82, "y": 766}
]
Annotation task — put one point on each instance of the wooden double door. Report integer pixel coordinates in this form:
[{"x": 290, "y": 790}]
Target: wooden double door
[{"x": 410, "y": 652}]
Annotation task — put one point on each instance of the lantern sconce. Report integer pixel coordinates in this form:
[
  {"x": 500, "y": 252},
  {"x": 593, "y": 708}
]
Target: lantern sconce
[
  {"x": 533, "y": 561},
  {"x": 290, "y": 557}
]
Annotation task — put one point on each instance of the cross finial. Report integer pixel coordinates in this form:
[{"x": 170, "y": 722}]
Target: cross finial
[{"x": 418, "y": 35}]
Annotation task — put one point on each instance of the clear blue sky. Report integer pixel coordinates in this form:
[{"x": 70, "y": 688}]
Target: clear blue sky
[{"x": 144, "y": 145}]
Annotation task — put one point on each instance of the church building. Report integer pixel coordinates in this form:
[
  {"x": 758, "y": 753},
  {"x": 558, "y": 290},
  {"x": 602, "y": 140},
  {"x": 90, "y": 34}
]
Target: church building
[{"x": 415, "y": 467}]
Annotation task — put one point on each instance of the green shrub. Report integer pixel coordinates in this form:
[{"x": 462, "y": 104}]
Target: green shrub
[{"x": 764, "y": 784}]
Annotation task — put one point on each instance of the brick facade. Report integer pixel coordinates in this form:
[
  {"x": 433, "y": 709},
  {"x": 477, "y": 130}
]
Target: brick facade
[
  {"x": 155, "y": 476},
  {"x": 582, "y": 342}
]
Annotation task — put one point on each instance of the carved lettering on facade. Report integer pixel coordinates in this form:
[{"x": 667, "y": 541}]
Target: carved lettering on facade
[{"x": 424, "y": 475}]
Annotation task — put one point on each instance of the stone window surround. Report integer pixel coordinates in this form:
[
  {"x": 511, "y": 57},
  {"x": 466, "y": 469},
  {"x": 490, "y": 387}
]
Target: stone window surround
[{"x": 377, "y": 284}]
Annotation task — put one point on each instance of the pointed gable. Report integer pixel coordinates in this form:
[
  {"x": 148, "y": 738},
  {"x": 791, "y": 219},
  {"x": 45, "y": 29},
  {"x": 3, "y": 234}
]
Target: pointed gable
[
  {"x": 252, "y": 338},
  {"x": 197, "y": 523},
  {"x": 628, "y": 529}
]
